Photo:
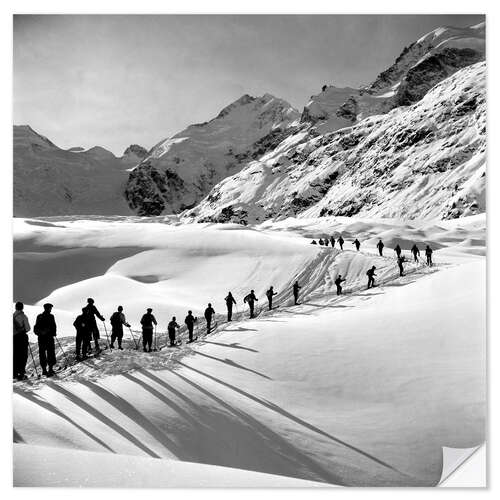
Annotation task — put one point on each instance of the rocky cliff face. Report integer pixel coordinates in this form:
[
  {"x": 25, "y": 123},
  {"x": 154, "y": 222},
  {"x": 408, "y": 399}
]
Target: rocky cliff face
[
  {"x": 181, "y": 170},
  {"x": 426, "y": 160}
]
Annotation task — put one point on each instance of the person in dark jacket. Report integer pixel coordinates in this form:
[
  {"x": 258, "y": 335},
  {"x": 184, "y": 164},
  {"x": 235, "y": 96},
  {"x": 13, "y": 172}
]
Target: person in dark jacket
[
  {"x": 397, "y": 249},
  {"x": 340, "y": 241},
  {"x": 171, "y": 330},
  {"x": 313, "y": 242},
  {"x": 320, "y": 241},
  {"x": 357, "y": 243},
  {"x": 117, "y": 321},
  {"x": 296, "y": 287},
  {"x": 83, "y": 335},
  {"x": 415, "y": 251},
  {"x": 338, "y": 284},
  {"x": 209, "y": 314},
  {"x": 332, "y": 241},
  {"x": 270, "y": 294},
  {"x": 428, "y": 254},
  {"x": 20, "y": 341},
  {"x": 371, "y": 276},
  {"x": 229, "y": 304},
  {"x": 190, "y": 320},
  {"x": 45, "y": 329},
  {"x": 380, "y": 247},
  {"x": 148, "y": 321},
  {"x": 325, "y": 241},
  {"x": 401, "y": 259},
  {"x": 91, "y": 312},
  {"x": 250, "y": 299}
]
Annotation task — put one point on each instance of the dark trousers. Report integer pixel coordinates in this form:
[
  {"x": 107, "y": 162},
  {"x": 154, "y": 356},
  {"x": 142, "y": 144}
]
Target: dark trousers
[
  {"x": 171, "y": 336},
  {"x": 251, "y": 305},
  {"x": 339, "y": 290},
  {"x": 117, "y": 334},
  {"x": 190, "y": 332},
  {"x": 147, "y": 338},
  {"x": 371, "y": 281},
  {"x": 429, "y": 260},
  {"x": 400, "y": 270},
  {"x": 209, "y": 324},
  {"x": 415, "y": 257},
  {"x": 270, "y": 300},
  {"x": 229, "y": 312},
  {"x": 296, "y": 297},
  {"x": 380, "y": 251},
  {"x": 46, "y": 351},
  {"x": 83, "y": 343},
  {"x": 20, "y": 354}
]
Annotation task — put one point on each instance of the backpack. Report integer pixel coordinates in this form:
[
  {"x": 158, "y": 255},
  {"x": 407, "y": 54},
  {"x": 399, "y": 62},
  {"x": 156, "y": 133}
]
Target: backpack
[
  {"x": 115, "y": 319},
  {"x": 18, "y": 328}
]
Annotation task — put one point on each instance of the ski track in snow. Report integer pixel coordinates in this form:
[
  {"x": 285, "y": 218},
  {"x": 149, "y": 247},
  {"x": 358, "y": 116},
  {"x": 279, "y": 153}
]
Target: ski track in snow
[{"x": 303, "y": 403}]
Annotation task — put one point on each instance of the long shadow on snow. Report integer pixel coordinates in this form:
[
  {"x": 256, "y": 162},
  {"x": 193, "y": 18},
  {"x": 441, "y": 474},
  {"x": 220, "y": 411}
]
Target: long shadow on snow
[
  {"x": 234, "y": 345},
  {"x": 50, "y": 407},
  {"x": 285, "y": 413},
  {"x": 102, "y": 418}
]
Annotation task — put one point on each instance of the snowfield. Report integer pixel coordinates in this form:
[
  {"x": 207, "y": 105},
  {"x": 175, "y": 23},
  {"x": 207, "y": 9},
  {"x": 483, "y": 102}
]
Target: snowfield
[{"x": 362, "y": 389}]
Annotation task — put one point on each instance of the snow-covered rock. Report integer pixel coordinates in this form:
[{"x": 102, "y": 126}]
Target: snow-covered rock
[
  {"x": 182, "y": 169},
  {"x": 422, "y": 161}
]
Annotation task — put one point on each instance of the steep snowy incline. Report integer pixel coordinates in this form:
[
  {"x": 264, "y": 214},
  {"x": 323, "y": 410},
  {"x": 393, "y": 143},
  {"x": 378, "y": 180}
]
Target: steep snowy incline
[
  {"x": 182, "y": 169},
  {"x": 342, "y": 390},
  {"x": 424, "y": 161},
  {"x": 49, "y": 180}
]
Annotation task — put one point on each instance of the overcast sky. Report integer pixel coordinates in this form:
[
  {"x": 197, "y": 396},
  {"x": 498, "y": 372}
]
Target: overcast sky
[{"x": 117, "y": 80}]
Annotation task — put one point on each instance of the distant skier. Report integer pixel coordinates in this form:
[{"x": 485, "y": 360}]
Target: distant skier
[
  {"x": 91, "y": 312},
  {"x": 270, "y": 294},
  {"x": 190, "y": 320},
  {"x": 45, "y": 329},
  {"x": 148, "y": 322},
  {"x": 313, "y": 242},
  {"x": 428, "y": 254},
  {"x": 250, "y": 299},
  {"x": 357, "y": 243},
  {"x": 321, "y": 241},
  {"x": 340, "y": 241},
  {"x": 296, "y": 288},
  {"x": 338, "y": 284},
  {"x": 229, "y": 304},
  {"x": 209, "y": 313},
  {"x": 397, "y": 249},
  {"x": 325, "y": 241},
  {"x": 332, "y": 241},
  {"x": 401, "y": 259},
  {"x": 371, "y": 273},
  {"x": 117, "y": 321},
  {"x": 415, "y": 251},
  {"x": 83, "y": 336},
  {"x": 20, "y": 341},
  {"x": 171, "y": 330},
  {"x": 380, "y": 247}
]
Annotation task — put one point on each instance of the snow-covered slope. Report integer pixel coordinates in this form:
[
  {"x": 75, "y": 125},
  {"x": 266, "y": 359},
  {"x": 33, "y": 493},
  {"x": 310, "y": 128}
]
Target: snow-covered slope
[
  {"x": 422, "y": 161},
  {"x": 418, "y": 68},
  {"x": 182, "y": 169},
  {"x": 347, "y": 390},
  {"x": 52, "y": 181}
]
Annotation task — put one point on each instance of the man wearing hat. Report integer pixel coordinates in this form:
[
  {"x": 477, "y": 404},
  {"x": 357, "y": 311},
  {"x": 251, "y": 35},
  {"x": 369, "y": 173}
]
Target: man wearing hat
[{"x": 45, "y": 329}]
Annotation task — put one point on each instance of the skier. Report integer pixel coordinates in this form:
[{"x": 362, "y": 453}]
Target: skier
[
  {"x": 21, "y": 341},
  {"x": 332, "y": 241},
  {"x": 371, "y": 273},
  {"x": 45, "y": 329},
  {"x": 357, "y": 243},
  {"x": 397, "y": 249},
  {"x": 401, "y": 259},
  {"x": 250, "y": 299},
  {"x": 190, "y": 321},
  {"x": 321, "y": 242},
  {"x": 428, "y": 254},
  {"x": 325, "y": 241},
  {"x": 91, "y": 312},
  {"x": 209, "y": 312},
  {"x": 147, "y": 322},
  {"x": 380, "y": 247},
  {"x": 338, "y": 283},
  {"x": 340, "y": 241},
  {"x": 415, "y": 251},
  {"x": 313, "y": 242},
  {"x": 229, "y": 304},
  {"x": 117, "y": 321},
  {"x": 296, "y": 289},
  {"x": 83, "y": 335},
  {"x": 270, "y": 293},
  {"x": 171, "y": 331}
]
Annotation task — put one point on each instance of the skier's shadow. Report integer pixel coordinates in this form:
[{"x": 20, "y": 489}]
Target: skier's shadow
[
  {"x": 234, "y": 345},
  {"x": 239, "y": 329}
]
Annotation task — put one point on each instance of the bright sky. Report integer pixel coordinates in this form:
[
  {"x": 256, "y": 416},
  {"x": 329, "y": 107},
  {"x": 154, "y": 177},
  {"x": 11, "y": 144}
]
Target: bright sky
[{"x": 113, "y": 81}]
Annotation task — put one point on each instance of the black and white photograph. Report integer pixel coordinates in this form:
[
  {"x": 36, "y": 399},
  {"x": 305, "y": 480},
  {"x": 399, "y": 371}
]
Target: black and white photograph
[{"x": 249, "y": 250}]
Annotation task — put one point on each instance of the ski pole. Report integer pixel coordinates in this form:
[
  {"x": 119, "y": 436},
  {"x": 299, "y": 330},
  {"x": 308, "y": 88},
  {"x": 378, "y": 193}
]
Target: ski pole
[
  {"x": 64, "y": 354},
  {"x": 107, "y": 336},
  {"x": 155, "y": 344},
  {"x": 133, "y": 338},
  {"x": 33, "y": 358}
]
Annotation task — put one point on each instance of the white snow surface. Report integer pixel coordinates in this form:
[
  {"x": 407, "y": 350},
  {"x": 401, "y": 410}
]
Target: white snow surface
[{"x": 362, "y": 389}]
